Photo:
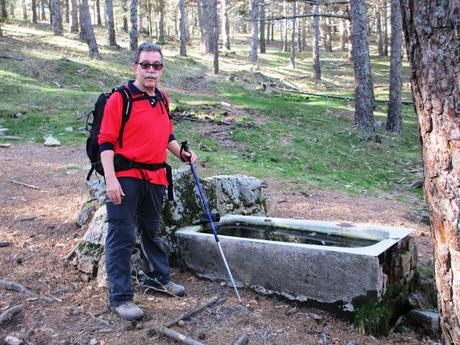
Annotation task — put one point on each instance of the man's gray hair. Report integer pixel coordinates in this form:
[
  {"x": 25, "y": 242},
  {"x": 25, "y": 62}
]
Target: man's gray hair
[{"x": 148, "y": 47}]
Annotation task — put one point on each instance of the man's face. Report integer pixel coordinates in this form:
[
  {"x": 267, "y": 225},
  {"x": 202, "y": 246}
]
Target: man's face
[{"x": 149, "y": 69}]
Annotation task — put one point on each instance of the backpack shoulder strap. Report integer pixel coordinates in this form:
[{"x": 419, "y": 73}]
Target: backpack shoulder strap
[
  {"x": 126, "y": 111},
  {"x": 160, "y": 95}
]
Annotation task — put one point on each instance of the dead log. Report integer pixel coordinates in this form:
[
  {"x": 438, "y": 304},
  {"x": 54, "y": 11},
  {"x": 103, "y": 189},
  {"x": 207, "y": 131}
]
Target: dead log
[
  {"x": 243, "y": 340},
  {"x": 10, "y": 313},
  {"x": 192, "y": 311},
  {"x": 181, "y": 338}
]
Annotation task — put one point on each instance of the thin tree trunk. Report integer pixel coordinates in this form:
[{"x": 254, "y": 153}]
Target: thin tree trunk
[
  {"x": 225, "y": 24},
  {"x": 161, "y": 24},
  {"x": 98, "y": 13},
  {"x": 432, "y": 41},
  {"x": 294, "y": 14},
  {"x": 327, "y": 34},
  {"x": 315, "y": 45},
  {"x": 285, "y": 26},
  {"x": 304, "y": 33},
  {"x": 364, "y": 91},
  {"x": 87, "y": 32},
  {"x": 34, "y": 11},
  {"x": 124, "y": 8},
  {"x": 394, "y": 117},
  {"x": 215, "y": 35},
  {"x": 57, "y": 19},
  {"x": 182, "y": 37},
  {"x": 73, "y": 24},
  {"x": 262, "y": 27},
  {"x": 187, "y": 26},
  {"x": 133, "y": 36},
  {"x": 206, "y": 20},
  {"x": 67, "y": 11},
  {"x": 110, "y": 23},
  {"x": 350, "y": 43},
  {"x": 3, "y": 13},
  {"x": 378, "y": 15},
  {"x": 42, "y": 7},
  {"x": 23, "y": 10},
  {"x": 268, "y": 26},
  {"x": 255, "y": 29},
  {"x": 342, "y": 33},
  {"x": 385, "y": 27}
]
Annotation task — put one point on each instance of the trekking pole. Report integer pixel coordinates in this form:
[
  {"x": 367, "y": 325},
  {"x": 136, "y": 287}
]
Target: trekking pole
[{"x": 184, "y": 147}]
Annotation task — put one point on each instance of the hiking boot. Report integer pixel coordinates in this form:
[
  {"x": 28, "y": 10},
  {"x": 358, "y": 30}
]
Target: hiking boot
[
  {"x": 128, "y": 311},
  {"x": 174, "y": 288}
]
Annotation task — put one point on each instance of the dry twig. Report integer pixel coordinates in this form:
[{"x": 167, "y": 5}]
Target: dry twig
[
  {"x": 183, "y": 339},
  {"x": 24, "y": 184},
  {"x": 192, "y": 311}
]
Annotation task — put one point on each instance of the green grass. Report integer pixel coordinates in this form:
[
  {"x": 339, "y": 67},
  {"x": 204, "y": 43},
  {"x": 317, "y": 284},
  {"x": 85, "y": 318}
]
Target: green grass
[{"x": 288, "y": 137}]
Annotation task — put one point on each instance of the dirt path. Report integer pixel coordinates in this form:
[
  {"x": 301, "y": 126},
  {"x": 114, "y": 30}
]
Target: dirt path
[{"x": 40, "y": 225}]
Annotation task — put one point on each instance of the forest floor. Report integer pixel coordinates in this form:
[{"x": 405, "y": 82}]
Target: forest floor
[{"x": 39, "y": 223}]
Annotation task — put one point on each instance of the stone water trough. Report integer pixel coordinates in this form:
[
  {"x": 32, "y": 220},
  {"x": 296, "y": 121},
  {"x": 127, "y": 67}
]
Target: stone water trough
[{"x": 326, "y": 262}]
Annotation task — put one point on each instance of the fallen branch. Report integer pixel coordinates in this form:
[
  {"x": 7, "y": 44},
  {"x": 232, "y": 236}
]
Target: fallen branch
[
  {"x": 11, "y": 57},
  {"x": 10, "y": 313},
  {"x": 94, "y": 317},
  {"x": 10, "y": 137},
  {"x": 243, "y": 340},
  {"x": 181, "y": 338},
  {"x": 24, "y": 184},
  {"x": 9, "y": 285},
  {"x": 5, "y": 244},
  {"x": 192, "y": 311}
]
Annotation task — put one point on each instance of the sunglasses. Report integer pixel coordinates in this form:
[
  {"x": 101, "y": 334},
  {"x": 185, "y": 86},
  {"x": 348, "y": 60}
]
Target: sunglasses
[{"x": 146, "y": 65}]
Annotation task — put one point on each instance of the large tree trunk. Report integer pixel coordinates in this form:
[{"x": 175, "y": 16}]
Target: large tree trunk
[
  {"x": 206, "y": 26},
  {"x": 133, "y": 36},
  {"x": 294, "y": 14},
  {"x": 225, "y": 24},
  {"x": 161, "y": 23},
  {"x": 262, "y": 27},
  {"x": 73, "y": 18},
  {"x": 57, "y": 19},
  {"x": 255, "y": 29},
  {"x": 315, "y": 45},
  {"x": 67, "y": 11},
  {"x": 327, "y": 35},
  {"x": 394, "y": 117},
  {"x": 110, "y": 23},
  {"x": 3, "y": 13},
  {"x": 87, "y": 32},
  {"x": 432, "y": 41},
  {"x": 364, "y": 90},
  {"x": 182, "y": 37}
]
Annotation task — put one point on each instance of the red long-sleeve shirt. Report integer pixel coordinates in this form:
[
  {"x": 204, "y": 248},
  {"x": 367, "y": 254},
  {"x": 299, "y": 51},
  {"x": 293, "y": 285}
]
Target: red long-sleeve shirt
[{"x": 145, "y": 137}]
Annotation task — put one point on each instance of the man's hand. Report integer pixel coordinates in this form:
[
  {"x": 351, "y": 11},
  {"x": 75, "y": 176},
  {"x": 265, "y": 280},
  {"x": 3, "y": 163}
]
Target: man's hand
[
  {"x": 189, "y": 157},
  {"x": 113, "y": 190}
]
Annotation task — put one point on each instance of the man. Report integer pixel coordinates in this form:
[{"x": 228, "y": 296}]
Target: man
[{"x": 135, "y": 195}]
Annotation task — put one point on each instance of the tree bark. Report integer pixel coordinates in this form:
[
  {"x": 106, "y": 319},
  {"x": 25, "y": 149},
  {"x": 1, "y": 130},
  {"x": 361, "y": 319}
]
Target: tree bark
[
  {"x": 73, "y": 17},
  {"x": 385, "y": 27},
  {"x": 225, "y": 24},
  {"x": 215, "y": 34},
  {"x": 133, "y": 36},
  {"x": 315, "y": 45},
  {"x": 110, "y": 23},
  {"x": 87, "y": 32},
  {"x": 293, "y": 40},
  {"x": 182, "y": 37},
  {"x": 67, "y": 11},
  {"x": 327, "y": 34},
  {"x": 3, "y": 13},
  {"x": 432, "y": 40},
  {"x": 342, "y": 32},
  {"x": 42, "y": 6},
  {"x": 364, "y": 90},
  {"x": 255, "y": 29},
  {"x": 262, "y": 27},
  {"x": 161, "y": 23},
  {"x": 206, "y": 26},
  {"x": 394, "y": 117},
  {"x": 57, "y": 19}
]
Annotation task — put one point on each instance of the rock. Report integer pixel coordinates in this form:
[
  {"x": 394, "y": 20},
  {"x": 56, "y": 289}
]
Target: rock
[
  {"x": 292, "y": 310},
  {"x": 69, "y": 129},
  {"x": 12, "y": 340},
  {"x": 50, "y": 141},
  {"x": 93, "y": 341},
  {"x": 428, "y": 320}
]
